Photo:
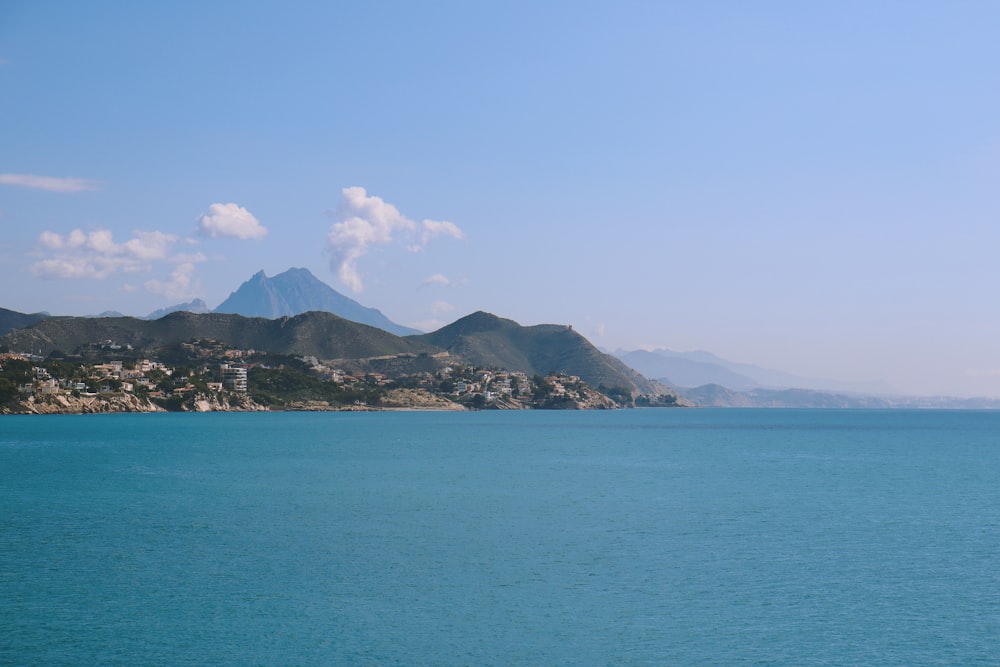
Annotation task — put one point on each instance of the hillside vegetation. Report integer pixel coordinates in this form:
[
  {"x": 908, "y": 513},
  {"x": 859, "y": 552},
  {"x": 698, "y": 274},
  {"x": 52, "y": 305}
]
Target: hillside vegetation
[{"x": 487, "y": 340}]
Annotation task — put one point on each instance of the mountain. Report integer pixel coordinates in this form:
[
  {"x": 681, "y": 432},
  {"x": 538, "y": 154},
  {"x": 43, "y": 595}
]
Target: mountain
[
  {"x": 716, "y": 396},
  {"x": 11, "y": 319},
  {"x": 694, "y": 369},
  {"x": 298, "y": 291},
  {"x": 683, "y": 372},
  {"x": 319, "y": 334},
  {"x": 196, "y": 306},
  {"x": 486, "y": 340}
]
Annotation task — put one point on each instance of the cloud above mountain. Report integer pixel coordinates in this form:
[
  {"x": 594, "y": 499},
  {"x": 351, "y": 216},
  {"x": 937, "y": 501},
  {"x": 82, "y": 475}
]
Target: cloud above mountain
[
  {"x": 230, "y": 221},
  {"x": 181, "y": 284},
  {"x": 365, "y": 221},
  {"x": 95, "y": 254}
]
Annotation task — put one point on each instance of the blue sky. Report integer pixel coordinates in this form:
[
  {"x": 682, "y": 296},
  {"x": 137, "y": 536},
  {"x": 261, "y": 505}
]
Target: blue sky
[{"x": 805, "y": 186}]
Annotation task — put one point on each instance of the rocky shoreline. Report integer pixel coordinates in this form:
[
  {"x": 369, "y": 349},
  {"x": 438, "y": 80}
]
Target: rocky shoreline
[
  {"x": 68, "y": 404},
  {"x": 393, "y": 400}
]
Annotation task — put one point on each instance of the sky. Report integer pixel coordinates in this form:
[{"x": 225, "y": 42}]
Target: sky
[{"x": 806, "y": 186}]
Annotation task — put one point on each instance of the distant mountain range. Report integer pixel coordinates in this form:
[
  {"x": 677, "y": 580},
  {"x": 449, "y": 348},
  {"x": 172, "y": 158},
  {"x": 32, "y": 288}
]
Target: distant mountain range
[
  {"x": 196, "y": 306},
  {"x": 679, "y": 371},
  {"x": 298, "y": 291},
  {"x": 687, "y": 370},
  {"x": 710, "y": 381}
]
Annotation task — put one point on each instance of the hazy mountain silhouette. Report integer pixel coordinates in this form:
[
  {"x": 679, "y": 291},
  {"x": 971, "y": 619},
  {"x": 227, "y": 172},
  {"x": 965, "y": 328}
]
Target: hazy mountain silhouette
[
  {"x": 195, "y": 306},
  {"x": 694, "y": 369},
  {"x": 683, "y": 372}
]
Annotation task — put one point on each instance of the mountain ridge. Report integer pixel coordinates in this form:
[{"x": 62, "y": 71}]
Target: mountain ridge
[
  {"x": 315, "y": 333},
  {"x": 11, "y": 319},
  {"x": 488, "y": 340}
]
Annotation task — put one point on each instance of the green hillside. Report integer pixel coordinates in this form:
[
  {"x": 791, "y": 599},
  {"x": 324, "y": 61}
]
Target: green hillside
[
  {"x": 11, "y": 319},
  {"x": 487, "y": 340}
]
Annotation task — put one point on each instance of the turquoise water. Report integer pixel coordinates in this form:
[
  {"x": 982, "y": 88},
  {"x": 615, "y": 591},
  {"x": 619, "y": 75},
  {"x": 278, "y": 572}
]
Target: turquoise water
[{"x": 543, "y": 538}]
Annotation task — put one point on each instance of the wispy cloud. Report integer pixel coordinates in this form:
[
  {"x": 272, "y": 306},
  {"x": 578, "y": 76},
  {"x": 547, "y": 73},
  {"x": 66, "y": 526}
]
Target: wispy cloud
[
  {"x": 230, "y": 221},
  {"x": 439, "y": 307},
  {"x": 430, "y": 229},
  {"x": 441, "y": 280},
  {"x": 49, "y": 183},
  {"x": 364, "y": 221},
  {"x": 983, "y": 372},
  {"x": 181, "y": 285}
]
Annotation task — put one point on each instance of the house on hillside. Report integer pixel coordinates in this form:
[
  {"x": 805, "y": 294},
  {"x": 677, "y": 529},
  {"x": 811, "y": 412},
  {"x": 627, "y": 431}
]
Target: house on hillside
[{"x": 234, "y": 378}]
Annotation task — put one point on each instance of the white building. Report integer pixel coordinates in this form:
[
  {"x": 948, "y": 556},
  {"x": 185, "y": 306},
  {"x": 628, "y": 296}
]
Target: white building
[{"x": 234, "y": 378}]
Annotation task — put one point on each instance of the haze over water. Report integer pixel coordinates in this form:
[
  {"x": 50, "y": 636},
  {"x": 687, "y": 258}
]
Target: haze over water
[{"x": 626, "y": 537}]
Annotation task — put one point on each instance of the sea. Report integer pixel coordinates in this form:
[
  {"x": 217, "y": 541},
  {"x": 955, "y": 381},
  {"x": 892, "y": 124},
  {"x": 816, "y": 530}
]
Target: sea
[{"x": 629, "y": 537}]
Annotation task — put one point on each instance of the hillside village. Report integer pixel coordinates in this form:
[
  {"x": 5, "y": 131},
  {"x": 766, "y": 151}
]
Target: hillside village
[{"x": 208, "y": 375}]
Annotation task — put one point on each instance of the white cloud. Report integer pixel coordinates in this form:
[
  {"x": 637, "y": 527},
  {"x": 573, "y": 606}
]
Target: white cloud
[
  {"x": 95, "y": 254},
  {"x": 50, "y": 183},
  {"x": 439, "y": 307},
  {"x": 192, "y": 258},
  {"x": 71, "y": 267},
  {"x": 433, "y": 228},
  {"x": 149, "y": 245},
  {"x": 180, "y": 286},
  {"x": 230, "y": 221},
  {"x": 437, "y": 279},
  {"x": 441, "y": 280},
  {"x": 364, "y": 221}
]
